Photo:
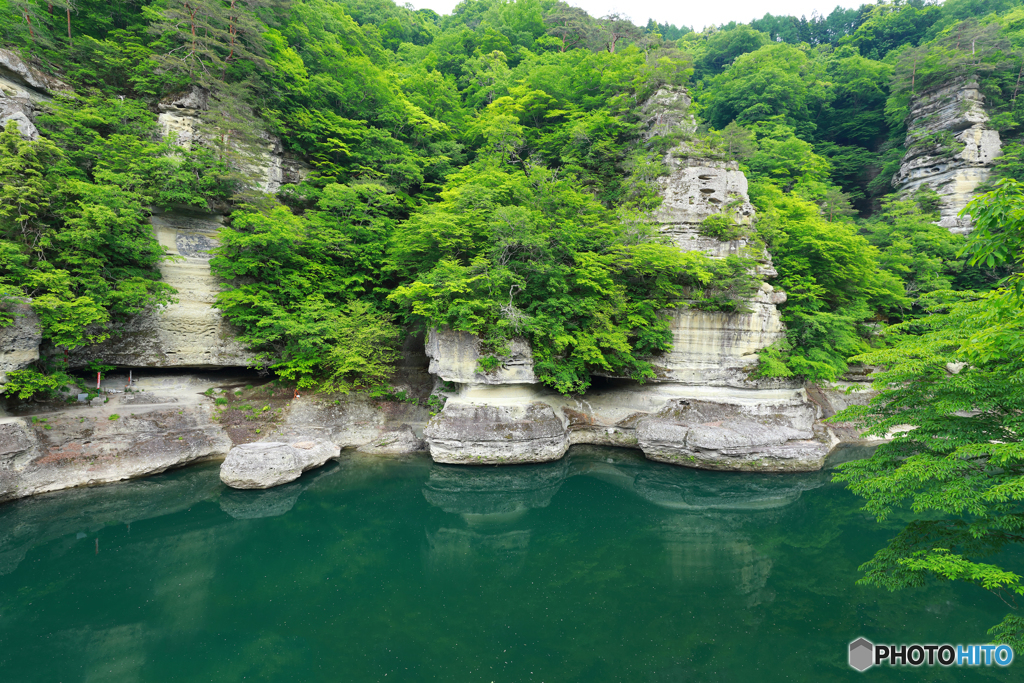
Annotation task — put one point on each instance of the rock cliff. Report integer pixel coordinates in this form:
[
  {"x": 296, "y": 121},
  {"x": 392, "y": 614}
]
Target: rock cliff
[
  {"x": 22, "y": 88},
  {"x": 191, "y": 333},
  {"x": 171, "y": 420},
  {"x": 703, "y": 410},
  {"x": 950, "y": 148},
  {"x": 19, "y": 342}
]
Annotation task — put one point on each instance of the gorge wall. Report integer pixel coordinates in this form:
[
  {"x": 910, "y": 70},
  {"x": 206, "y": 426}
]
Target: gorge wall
[
  {"x": 703, "y": 410},
  {"x": 191, "y": 332},
  {"x": 950, "y": 149}
]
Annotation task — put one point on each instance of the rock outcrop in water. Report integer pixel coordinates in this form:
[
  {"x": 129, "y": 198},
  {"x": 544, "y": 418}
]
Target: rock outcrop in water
[
  {"x": 170, "y": 421},
  {"x": 267, "y": 464},
  {"x": 950, "y": 148},
  {"x": 505, "y": 416}
]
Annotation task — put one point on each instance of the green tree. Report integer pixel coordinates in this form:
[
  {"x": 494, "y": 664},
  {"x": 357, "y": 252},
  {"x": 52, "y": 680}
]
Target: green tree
[{"x": 952, "y": 389}]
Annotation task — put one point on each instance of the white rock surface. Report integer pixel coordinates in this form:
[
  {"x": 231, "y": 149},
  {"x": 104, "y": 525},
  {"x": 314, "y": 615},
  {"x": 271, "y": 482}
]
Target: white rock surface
[
  {"x": 84, "y": 447},
  {"x": 267, "y": 464},
  {"x": 941, "y": 120},
  {"x": 746, "y": 424},
  {"x": 762, "y": 436},
  {"x": 189, "y": 333},
  {"x": 468, "y": 434},
  {"x": 455, "y": 357},
  {"x": 269, "y": 165},
  {"x": 19, "y": 342}
]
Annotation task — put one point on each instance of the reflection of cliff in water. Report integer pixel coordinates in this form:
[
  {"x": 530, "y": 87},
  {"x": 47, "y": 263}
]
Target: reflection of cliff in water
[
  {"x": 492, "y": 502},
  {"x": 705, "y": 519}
]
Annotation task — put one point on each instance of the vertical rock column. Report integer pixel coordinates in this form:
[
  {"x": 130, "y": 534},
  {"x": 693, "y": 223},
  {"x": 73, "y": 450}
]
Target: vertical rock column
[{"x": 950, "y": 149}]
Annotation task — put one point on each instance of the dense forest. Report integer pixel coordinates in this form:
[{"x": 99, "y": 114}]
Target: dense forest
[{"x": 488, "y": 171}]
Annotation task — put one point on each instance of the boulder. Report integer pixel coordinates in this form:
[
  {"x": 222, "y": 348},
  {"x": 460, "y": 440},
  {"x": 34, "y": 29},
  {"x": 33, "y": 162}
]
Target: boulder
[
  {"x": 395, "y": 442},
  {"x": 468, "y": 434},
  {"x": 20, "y": 111},
  {"x": 263, "y": 465}
]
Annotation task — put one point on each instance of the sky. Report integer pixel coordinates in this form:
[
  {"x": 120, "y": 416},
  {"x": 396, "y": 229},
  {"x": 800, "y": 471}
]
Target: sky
[{"x": 696, "y": 14}]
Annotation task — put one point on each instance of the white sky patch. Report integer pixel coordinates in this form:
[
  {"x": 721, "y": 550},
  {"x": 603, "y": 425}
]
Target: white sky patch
[{"x": 694, "y": 14}]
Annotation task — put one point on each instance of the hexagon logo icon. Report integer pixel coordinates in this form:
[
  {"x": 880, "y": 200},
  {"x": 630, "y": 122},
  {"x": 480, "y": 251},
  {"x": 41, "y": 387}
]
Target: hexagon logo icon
[{"x": 862, "y": 654}]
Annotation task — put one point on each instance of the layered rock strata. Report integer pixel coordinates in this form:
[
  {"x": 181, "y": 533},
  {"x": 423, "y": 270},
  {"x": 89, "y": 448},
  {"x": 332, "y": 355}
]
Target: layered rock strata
[
  {"x": 169, "y": 421},
  {"x": 733, "y": 422},
  {"x": 69, "y": 449},
  {"x": 187, "y": 333},
  {"x": 950, "y": 149},
  {"x": 19, "y": 341},
  {"x": 191, "y": 332}
]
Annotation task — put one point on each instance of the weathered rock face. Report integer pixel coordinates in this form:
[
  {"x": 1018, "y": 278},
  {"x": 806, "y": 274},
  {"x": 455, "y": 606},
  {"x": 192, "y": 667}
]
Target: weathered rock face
[
  {"x": 82, "y": 448},
  {"x": 18, "y": 78},
  {"x": 505, "y": 416},
  {"x": 22, "y": 87},
  {"x": 950, "y": 149},
  {"x": 760, "y": 436},
  {"x": 667, "y": 111},
  {"x": 720, "y": 349},
  {"x": 21, "y": 112},
  {"x": 470, "y": 434},
  {"x": 169, "y": 421},
  {"x": 19, "y": 342},
  {"x": 455, "y": 357},
  {"x": 270, "y": 166},
  {"x": 268, "y": 464},
  {"x": 189, "y": 333}
]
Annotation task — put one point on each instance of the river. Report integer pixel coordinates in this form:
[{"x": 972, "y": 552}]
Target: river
[{"x": 599, "y": 567}]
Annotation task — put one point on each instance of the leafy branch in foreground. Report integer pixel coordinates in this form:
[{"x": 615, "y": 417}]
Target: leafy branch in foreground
[{"x": 953, "y": 390}]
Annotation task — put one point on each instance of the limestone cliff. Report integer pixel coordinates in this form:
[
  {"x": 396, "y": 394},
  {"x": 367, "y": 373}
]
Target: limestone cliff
[
  {"x": 191, "y": 332},
  {"x": 950, "y": 148},
  {"x": 22, "y": 88},
  {"x": 702, "y": 410}
]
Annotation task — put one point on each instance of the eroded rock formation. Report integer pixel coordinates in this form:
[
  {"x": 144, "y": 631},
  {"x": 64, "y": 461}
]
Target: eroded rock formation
[
  {"x": 19, "y": 342},
  {"x": 22, "y": 88},
  {"x": 191, "y": 333},
  {"x": 505, "y": 416},
  {"x": 950, "y": 148},
  {"x": 170, "y": 421}
]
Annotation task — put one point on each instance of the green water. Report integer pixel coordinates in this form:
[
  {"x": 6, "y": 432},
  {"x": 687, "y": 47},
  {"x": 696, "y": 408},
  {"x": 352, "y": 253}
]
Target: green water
[{"x": 601, "y": 567}]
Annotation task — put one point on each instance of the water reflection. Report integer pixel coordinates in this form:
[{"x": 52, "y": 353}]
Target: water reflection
[
  {"x": 274, "y": 502},
  {"x": 602, "y": 567},
  {"x": 700, "y": 524}
]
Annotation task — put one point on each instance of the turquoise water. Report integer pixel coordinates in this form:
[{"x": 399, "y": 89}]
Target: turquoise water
[{"x": 601, "y": 567}]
